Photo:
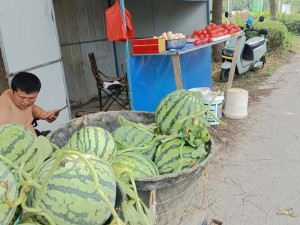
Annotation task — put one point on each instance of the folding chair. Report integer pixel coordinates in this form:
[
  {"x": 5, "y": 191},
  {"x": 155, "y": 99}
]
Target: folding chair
[{"x": 111, "y": 86}]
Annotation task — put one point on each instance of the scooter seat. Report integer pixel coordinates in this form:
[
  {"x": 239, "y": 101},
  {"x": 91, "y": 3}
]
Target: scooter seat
[
  {"x": 250, "y": 45},
  {"x": 255, "y": 42}
]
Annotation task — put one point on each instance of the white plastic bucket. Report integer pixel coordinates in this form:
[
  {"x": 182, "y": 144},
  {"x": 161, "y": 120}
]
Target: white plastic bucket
[
  {"x": 215, "y": 107},
  {"x": 236, "y": 104},
  {"x": 202, "y": 90}
]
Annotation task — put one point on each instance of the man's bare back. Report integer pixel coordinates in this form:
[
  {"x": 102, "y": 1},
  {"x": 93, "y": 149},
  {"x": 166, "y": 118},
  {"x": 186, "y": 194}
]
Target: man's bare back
[{"x": 10, "y": 113}]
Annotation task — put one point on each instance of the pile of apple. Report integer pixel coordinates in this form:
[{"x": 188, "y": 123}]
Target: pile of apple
[{"x": 211, "y": 31}]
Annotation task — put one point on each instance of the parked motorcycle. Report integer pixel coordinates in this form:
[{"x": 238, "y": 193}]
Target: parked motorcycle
[{"x": 252, "y": 53}]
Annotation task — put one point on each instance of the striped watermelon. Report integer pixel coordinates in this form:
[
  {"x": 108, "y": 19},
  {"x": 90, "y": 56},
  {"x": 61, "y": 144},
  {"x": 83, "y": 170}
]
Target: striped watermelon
[
  {"x": 136, "y": 163},
  {"x": 130, "y": 136},
  {"x": 175, "y": 155},
  {"x": 175, "y": 106},
  {"x": 31, "y": 222},
  {"x": 70, "y": 198},
  {"x": 19, "y": 145},
  {"x": 8, "y": 188},
  {"x": 94, "y": 140}
]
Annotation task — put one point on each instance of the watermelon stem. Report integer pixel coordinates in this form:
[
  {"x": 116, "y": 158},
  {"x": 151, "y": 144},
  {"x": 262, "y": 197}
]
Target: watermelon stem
[
  {"x": 139, "y": 207},
  {"x": 47, "y": 179},
  {"x": 96, "y": 181},
  {"x": 137, "y": 148},
  {"x": 111, "y": 208},
  {"x": 8, "y": 162},
  {"x": 206, "y": 110},
  {"x": 29, "y": 181},
  {"x": 18, "y": 201},
  {"x": 55, "y": 146},
  {"x": 22, "y": 181},
  {"x": 28, "y": 212},
  {"x": 84, "y": 159},
  {"x": 181, "y": 156},
  {"x": 50, "y": 220},
  {"x": 149, "y": 129},
  {"x": 142, "y": 211}
]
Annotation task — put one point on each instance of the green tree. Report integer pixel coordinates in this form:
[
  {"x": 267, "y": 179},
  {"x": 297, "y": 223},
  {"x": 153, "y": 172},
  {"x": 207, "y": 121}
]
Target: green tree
[{"x": 238, "y": 5}]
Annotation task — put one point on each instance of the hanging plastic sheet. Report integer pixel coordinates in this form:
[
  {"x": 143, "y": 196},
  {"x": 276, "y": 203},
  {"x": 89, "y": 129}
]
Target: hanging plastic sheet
[{"x": 115, "y": 27}]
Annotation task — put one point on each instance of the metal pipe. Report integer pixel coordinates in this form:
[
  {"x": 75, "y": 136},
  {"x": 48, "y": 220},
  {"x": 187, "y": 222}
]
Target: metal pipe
[
  {"x": 115, "y": 50},
  {"x": 82, "y": 42},
  {"x": 36, "y": 67},
  {"x": 127, "y": 55}
]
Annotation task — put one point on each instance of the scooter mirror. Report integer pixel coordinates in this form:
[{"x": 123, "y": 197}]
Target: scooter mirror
[
  {"x": 261, "y": 19},
  {"x": 226, "y": 14}
]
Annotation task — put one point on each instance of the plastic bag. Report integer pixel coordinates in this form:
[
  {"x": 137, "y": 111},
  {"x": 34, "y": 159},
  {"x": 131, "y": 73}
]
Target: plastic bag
[{"x": 115, "y": 28}]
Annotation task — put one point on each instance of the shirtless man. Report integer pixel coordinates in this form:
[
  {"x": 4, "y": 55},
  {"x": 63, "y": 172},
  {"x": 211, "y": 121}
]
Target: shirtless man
[{"x": 17, "y": 103}]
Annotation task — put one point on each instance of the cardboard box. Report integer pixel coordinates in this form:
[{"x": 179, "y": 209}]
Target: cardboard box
[{"x": 148, "y": 45}]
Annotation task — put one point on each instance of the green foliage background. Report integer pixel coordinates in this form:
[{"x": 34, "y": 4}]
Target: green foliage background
[
  {"x": 238, "y": 5},
  {"x": 279, "y": 36}
]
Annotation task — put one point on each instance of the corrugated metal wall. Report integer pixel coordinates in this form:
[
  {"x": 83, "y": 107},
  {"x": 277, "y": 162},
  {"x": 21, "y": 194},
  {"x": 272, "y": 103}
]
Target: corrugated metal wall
[
  {"x": 3, "y": 81},
  {"x": 81, "y": 30}
]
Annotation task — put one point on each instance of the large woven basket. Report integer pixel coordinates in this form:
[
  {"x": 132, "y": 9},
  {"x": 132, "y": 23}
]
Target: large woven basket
[{"x": 168, "y": 196}]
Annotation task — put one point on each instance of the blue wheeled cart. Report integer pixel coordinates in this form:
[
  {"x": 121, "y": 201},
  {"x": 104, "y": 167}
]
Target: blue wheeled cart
[{"x": 153, "y": 76}]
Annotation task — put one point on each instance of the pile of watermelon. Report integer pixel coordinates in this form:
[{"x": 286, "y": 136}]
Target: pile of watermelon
[{"x": 78, "y": 184}]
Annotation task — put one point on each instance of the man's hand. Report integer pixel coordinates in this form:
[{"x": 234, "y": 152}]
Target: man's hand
[{"x": 52, "y": 115}]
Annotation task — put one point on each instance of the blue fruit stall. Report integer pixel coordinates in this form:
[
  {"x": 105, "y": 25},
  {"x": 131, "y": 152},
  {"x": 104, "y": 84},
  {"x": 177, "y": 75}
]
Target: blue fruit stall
[{"x": 152, "y": 76}]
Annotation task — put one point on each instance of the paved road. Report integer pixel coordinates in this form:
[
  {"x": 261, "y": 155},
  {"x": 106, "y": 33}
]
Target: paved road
[{"x": 255, "y": 180}]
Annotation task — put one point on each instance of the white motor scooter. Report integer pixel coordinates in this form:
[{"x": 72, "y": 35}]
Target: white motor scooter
[{"x": 252, "y": 53}]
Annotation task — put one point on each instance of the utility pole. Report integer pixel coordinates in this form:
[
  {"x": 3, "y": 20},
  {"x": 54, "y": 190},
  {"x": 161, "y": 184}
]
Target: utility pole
[
  {"x": 279, "y": 6},
  {"x": 230, "y": 8}
]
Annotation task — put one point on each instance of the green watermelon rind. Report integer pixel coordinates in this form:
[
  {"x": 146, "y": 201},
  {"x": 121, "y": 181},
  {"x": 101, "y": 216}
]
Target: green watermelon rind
[
  {"x": 6, "y": 176},
  {"x": 173, "y": 107},
  {"x": 70, "y": 198},
  {"x": 94, "y": 140}
]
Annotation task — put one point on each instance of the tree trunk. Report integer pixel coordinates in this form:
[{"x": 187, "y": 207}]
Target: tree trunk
[
  {"x": 279, "y": 6},
  {"x": 272, "y": 10},
  {"x": 217, "y": 19}
]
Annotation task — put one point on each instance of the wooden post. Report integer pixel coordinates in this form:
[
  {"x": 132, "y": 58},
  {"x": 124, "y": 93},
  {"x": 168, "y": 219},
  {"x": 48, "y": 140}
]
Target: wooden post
[
  {"x": 177, "y": 71},
  {"x": 233, "y": 63}
]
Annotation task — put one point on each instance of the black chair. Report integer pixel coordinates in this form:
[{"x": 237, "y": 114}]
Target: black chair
[{"x": 112, "y": 91}]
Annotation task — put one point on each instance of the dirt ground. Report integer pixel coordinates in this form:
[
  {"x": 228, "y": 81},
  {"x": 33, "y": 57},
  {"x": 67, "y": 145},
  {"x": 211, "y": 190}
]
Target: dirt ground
[{"x": 253, "y": 177}]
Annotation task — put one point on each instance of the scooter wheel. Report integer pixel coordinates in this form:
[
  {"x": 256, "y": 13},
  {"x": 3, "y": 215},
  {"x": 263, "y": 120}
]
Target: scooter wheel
[{"x": 224, "y": 74}]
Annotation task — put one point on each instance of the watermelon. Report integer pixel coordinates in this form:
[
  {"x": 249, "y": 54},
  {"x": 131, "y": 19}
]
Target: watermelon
[
  {"x": 70, "y": 198},
  {"x": 136, "y": 164},
  {"x": 8, "y": 189},
  {"x": 94, "y": 140},
  {"x": 174, "y": 156},
  {"x": 175, "y": 106},
  {"x": 130, "y": 136},
  {"x": 19, "y": 145}
]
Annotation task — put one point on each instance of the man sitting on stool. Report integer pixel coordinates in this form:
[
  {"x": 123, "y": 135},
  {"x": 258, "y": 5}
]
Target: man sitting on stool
[{"x": 17, "y": 103}]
